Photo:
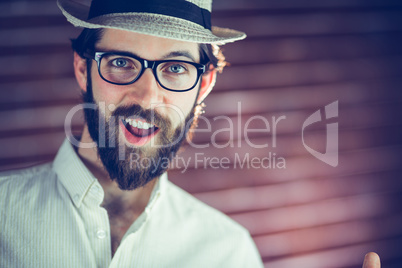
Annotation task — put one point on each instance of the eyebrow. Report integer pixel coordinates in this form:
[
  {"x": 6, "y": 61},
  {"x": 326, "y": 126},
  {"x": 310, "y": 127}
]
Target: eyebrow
[
  {"x": 180, "y": 53},
  {"x": 173, "y": 54}
]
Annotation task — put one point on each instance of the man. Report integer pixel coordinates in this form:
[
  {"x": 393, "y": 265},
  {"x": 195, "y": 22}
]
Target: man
[{"x": 144, "y": 68}]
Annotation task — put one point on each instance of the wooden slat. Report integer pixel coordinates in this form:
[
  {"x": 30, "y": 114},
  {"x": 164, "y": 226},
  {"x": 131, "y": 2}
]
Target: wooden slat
[
  {"x": 280, "y": 49},
  {"x": 300, "y": 4},
  {"x": 49, "y": 90},
  {"x": 296, "y": 192},
  {"x": 319, "y": 213},
  {"x": 308, "y": 73},
  {"x": 314, "y": 24},
  {"x": 298, "y": 168},
  {"x": 308, "y": 240},
  {"x": 18, "y": 147},
  {"x": 37, "y": 64},
  {"x": 46, "y": 35},
  {"x": 24, "y": 8},
  {"x": 244, "y": 105},
  {"x": 26, "y": 119}
]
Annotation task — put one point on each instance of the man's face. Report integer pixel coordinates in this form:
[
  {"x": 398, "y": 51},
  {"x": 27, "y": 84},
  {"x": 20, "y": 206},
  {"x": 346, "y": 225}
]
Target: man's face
[{"x": 134, "y": 155}]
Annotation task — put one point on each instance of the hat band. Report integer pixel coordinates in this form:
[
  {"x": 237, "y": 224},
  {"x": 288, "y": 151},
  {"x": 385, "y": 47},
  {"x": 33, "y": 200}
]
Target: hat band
[{"x": 175, "y": 8}]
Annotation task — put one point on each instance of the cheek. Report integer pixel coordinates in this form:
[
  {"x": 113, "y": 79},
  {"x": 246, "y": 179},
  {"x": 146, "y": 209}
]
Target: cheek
[
  {"x": 99, "y": 88},
  {"x": 106, "y": 95},
  {"x": 181, "y": 105}
]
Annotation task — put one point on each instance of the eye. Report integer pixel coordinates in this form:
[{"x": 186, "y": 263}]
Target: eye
[
  {"x": 176, "y": 68},
  {"x": 120, "y": 62}
]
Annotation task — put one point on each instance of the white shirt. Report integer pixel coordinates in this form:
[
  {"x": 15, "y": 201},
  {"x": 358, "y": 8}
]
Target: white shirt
[{"x": 51, "y": 217}]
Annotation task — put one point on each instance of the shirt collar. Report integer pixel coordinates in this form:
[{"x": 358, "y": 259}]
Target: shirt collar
[
  {"x": 77, "y": 179},
  {"x": 72, "y": 172},
  {"x": 159, "y": 188}
]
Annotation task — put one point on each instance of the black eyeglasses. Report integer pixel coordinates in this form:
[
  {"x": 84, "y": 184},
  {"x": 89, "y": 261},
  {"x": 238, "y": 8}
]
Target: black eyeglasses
[{"x": 121, "y": 68}]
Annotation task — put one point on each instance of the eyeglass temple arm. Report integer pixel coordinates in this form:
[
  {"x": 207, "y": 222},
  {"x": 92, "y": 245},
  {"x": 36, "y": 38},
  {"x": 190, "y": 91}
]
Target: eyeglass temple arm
[{"x": 89, "y": 54}]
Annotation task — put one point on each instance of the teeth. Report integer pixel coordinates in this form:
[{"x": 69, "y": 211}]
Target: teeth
[{"x": 138, "y": 124}]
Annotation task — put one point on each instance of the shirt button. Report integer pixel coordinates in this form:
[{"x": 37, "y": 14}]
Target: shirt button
[
  {"x": 95, "y": 189},
  {"x": 76, "y": 197},
  {"x": 101, "y": 234}
]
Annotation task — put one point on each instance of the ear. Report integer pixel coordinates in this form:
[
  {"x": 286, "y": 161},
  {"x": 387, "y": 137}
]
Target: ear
[
  {"x": 207, "y": 84},
  {"x": 80, "y": 71}
]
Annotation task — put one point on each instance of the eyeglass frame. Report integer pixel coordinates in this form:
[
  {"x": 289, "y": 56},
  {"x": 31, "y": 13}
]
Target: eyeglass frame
[{"x": 145, "y": 64}]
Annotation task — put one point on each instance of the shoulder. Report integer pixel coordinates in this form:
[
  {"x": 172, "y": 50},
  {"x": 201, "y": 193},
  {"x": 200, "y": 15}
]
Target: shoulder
[
  {"x": 189, "y": 207},
  {"x": 211, "y": 235},
  {"x": 23, "y": 184},
  {"x": 25, "y": 175},
  {"x": 205, "y": 223}
]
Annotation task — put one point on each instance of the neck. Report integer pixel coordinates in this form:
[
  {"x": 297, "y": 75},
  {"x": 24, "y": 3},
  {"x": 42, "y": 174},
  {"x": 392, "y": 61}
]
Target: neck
[{"x": 134, "y": 200}]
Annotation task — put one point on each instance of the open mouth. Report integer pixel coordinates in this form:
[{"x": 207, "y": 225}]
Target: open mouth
[{"x": 137, "y": 131}]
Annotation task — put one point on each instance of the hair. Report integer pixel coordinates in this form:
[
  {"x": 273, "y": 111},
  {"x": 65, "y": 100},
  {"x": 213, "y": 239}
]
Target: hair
[{"x": 209, "y": 54}]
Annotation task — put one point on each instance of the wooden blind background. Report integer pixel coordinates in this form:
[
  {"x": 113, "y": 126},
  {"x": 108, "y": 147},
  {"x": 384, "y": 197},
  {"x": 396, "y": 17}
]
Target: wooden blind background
[{"x": 300, "y": 55}]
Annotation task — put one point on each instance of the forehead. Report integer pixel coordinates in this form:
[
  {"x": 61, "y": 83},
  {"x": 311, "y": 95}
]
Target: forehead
[{"x": 145, "y": 46}]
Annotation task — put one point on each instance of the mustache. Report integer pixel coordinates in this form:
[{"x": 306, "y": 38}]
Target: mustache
[{"x": 149, "y": 115}]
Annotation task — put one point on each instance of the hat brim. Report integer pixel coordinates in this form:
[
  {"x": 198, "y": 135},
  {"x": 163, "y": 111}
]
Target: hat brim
[{"x": 148, "y": 23}]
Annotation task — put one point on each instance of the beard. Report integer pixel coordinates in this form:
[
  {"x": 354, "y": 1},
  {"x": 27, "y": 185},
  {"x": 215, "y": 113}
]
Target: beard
[{"x": 132, "y": 167}]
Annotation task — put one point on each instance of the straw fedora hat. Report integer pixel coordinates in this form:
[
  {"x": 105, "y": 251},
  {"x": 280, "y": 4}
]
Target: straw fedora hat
[{"x": 185, "y": 20}]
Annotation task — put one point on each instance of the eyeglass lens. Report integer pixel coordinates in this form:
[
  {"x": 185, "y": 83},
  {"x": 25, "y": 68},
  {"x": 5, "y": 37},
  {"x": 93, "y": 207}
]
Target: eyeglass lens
[{"x": 175, "y": 75}]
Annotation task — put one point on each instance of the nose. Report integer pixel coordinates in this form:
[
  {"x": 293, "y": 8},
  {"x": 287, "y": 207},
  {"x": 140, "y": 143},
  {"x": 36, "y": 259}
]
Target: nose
[{"x": 146, "y": 90}]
